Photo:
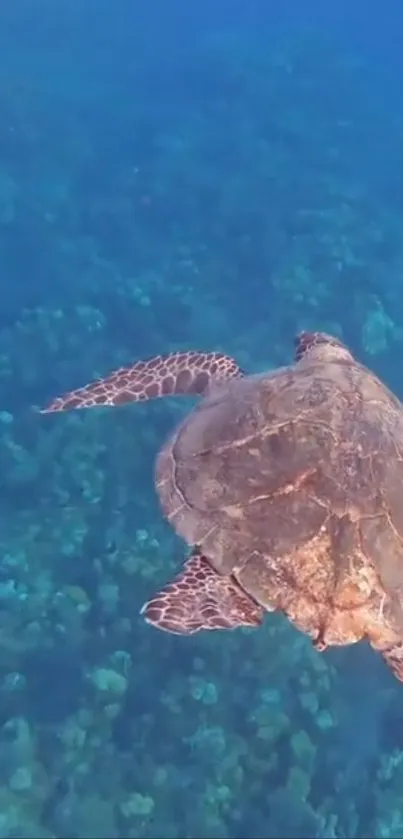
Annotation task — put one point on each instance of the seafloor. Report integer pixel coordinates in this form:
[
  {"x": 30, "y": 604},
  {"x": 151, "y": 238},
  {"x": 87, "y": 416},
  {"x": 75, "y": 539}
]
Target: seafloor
[{"x": 223, "y": 196}]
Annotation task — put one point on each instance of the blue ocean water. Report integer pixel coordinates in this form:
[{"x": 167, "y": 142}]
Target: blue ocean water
[{"x": 215, "y": 176}]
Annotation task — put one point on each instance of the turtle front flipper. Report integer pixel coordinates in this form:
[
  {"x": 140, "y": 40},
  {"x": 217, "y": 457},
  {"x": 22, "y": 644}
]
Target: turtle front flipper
[
  {"x": 200, "y": 598},
  {"x": 189, "y": 373}
]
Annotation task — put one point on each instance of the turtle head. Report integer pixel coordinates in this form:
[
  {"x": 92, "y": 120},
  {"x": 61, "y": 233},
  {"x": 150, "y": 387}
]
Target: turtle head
[{"x": 324, "y": 347}]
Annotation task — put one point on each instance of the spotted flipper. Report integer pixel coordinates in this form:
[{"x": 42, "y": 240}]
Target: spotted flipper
[
  {"x": 169, "y": 375},
  {"x": 393, "y": 658},
  {"x": 200, "y": 598}
]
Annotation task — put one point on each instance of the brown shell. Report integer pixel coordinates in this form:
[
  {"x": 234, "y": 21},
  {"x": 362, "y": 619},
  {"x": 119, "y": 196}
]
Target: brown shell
[{"x": 292, "y": 481}]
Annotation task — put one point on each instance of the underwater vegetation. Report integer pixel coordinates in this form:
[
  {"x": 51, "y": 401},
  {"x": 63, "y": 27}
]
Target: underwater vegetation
[{"x": 223, "y": 197}]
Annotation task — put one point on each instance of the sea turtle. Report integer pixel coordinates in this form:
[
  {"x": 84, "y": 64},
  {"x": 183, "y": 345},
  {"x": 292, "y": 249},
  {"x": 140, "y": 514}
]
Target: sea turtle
[{"x": 287, "y": 486}]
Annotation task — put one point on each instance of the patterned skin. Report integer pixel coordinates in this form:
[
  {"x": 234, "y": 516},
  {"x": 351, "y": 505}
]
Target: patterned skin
[
  {"x": 307, "y": 341},
  {"x": 200, "y": 598},
  {"x": 169, "y": 375}
]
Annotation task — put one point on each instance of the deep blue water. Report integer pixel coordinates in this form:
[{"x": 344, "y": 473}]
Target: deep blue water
[{"x": 175, "y": 176}]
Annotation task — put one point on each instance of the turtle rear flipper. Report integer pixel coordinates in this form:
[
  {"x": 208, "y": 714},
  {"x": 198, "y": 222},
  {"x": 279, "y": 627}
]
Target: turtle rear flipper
[
  {"x": 393, "y": 658},
  {"x": 200, "y": 598},
  {"x": 190, "y": 373}
]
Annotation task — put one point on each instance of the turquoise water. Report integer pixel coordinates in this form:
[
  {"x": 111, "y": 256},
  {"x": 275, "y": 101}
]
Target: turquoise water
[{"x": 174, "y": 177}]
